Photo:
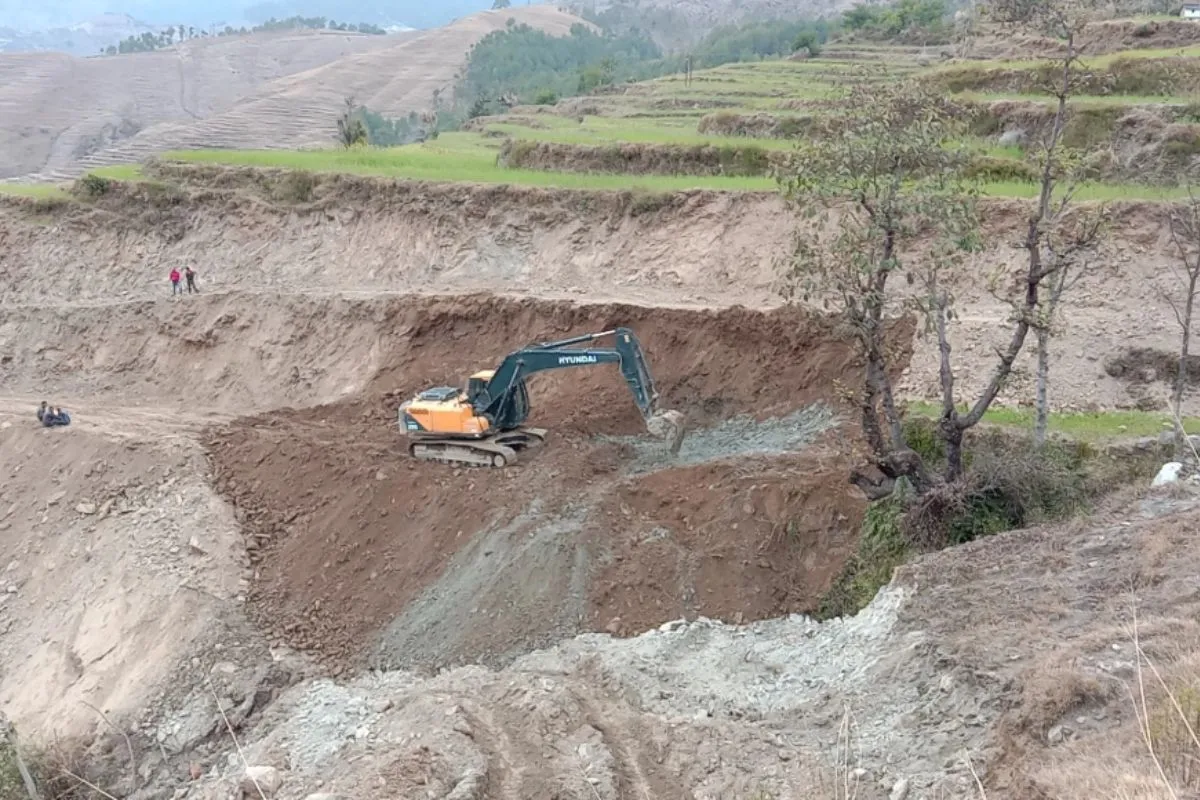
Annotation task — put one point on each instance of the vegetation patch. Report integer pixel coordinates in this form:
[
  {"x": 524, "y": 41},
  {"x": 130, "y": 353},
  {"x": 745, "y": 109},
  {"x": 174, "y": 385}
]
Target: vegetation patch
[
  {"x": 1008, "y": 484},
  {"x": 636, "y": 159},
  {"x": 759, "y": 125},
  {"x": 1125, "y": 75}
]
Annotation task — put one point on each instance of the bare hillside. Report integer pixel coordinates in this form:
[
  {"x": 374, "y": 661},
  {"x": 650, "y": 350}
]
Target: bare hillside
[
  {"x": 56, "y": 109},
  {"x": 60, "y": 115}
]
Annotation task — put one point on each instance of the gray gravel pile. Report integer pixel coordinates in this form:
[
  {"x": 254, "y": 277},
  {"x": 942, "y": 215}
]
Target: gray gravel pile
[{"x": 737, "y": 436}]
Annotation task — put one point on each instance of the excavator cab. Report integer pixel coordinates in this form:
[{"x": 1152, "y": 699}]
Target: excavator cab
[{"x": 477, "y": 385}]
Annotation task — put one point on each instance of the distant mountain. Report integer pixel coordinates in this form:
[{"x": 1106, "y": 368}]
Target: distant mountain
[
  {"x": 82, "y": 39},
  {"x": 47, "y": 15}
]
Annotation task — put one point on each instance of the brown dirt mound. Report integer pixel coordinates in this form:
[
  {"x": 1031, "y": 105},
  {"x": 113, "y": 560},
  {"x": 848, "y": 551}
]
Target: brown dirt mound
[
  {"x": 636, "y": 159},
  {"x": 346, "y": 531}
]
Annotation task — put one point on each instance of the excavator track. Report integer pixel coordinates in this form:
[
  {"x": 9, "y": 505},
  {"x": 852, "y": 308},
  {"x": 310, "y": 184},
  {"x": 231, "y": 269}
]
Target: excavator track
[{"x": 496, "y": 451}]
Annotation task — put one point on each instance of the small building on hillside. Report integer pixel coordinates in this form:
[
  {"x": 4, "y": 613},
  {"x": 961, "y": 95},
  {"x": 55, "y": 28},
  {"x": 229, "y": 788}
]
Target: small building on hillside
[{"x": 1190, "y": 11}]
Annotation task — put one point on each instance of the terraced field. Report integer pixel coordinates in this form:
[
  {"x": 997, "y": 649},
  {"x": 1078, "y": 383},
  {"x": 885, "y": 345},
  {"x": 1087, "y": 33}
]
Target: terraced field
[{"x": 628, "y": 137}]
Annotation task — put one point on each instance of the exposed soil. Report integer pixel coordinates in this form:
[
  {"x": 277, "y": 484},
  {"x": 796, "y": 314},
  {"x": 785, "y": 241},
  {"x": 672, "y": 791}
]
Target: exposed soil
[
  {"x": 346, "y": 530},
  {"x": 369, "y": 237},
  {"x": 154, "y": 584}
]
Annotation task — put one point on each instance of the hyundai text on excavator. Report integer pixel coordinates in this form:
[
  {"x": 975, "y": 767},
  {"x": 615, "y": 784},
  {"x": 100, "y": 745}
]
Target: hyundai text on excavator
[{"x": 483, "y": 424}]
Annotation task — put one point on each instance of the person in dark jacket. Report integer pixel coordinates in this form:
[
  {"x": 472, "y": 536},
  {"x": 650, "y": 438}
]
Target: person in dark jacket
[
  {"x": 190, "y": 275},
  {"x": 42, "y": 411}
]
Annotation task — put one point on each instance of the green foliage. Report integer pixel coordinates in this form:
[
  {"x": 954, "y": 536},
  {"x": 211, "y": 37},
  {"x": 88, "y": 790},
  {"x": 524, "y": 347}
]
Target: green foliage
[
  {"x": 384, "y": 131},
  {"x": 351, "y": 130},
  {"x": 11, "y": 785},
  {"x": 528, "y": 63},
  {"x": 545, "y": 97},
  {"x": 173, "y": 34},
  {"x": 93, "y": 185},
  {"x": 1010, "y": 484},
  {"x": 924, "y": 17},
  {"x": 1171, "y": 729},
  {"x": 754, "y": 41},
  {"x": 808, "y": 40},
  {"x": 881, "y": 549},
  {"x": 987, "y": 169},
  {"x": 498, "y": 5}
]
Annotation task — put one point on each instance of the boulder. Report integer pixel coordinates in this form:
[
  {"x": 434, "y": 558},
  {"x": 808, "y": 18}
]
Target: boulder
[
  {"x": 1168, "y": 474},
  {"x": 266, "y": 780}
]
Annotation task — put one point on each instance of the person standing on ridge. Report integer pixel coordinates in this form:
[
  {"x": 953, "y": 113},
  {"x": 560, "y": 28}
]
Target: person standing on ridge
[
  {"x": 190, "y": 274},
  {"x": 175, "y": 281}
]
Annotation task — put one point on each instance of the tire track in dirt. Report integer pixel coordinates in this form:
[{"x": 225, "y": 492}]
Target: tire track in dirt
[
  {"x": 502, "y": 782},
  {"x": 617, "y": 731}
]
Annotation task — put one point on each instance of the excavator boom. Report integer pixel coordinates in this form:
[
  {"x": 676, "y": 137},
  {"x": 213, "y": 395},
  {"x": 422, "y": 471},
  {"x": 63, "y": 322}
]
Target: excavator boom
[{"x": 484, "y": 423}]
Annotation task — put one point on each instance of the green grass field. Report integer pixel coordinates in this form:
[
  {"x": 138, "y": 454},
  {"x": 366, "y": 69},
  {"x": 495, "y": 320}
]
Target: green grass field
[
  {"x": 471, "y": 158},
  {"x": 1085, "y": 426},
  {"x": 456, "y": 157}
]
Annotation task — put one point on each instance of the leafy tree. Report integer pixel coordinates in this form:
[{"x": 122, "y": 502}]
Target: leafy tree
[
  {"x": 351, "y": 132},
  {"x": 808, "y": 40},
  {"x": 500, "y": 4},
  {"x": 904, "y": 17},
  {"x": 891, "y": 186},
  {"x": 524, "y": 62}
]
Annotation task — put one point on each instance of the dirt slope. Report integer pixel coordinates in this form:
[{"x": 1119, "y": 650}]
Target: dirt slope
[
  {"x": 63, "y": 115},
  {"x": 102, "y": 590},
  {"x": 695, "y": 248},
  {"x": 348, "y": 531}
]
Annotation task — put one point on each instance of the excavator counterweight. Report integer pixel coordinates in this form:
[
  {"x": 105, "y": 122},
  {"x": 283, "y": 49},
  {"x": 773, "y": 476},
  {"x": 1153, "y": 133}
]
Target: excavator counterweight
[{"x": 483, "y": 423}]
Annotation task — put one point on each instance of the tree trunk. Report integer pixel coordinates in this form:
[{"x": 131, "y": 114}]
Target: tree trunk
[
  {"x": 952, "y": 435},
  {"x": 1181, "y": 374},
  {"x": 1042, "y": 420}
]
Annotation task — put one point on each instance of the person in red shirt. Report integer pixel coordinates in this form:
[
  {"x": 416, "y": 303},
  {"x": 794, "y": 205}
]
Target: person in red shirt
[{"x": 175, "y": 282}]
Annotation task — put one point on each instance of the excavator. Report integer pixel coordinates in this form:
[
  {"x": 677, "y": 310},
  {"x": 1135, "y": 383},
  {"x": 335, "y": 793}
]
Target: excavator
[{"x": 483, "y": 425}]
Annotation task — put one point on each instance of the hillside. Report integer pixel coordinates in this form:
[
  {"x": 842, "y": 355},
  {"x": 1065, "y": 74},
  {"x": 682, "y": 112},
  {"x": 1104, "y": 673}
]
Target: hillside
[
  {"x": 60, "y": 115},
  {"x": 229, "y": 577}
]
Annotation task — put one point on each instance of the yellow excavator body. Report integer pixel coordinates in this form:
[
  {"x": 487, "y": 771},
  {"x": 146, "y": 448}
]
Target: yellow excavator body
[{"x": 446, "y": 412}]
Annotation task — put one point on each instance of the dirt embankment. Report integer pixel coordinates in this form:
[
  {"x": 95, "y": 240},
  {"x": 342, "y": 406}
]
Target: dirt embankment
[
  {"x": 637, "y": 159},
  {"x": 279, "y": 233},
  {"x": 117, "y": 563},
  {"x": 357, "y": 547},
  {"x": 1112, "y": 36}
]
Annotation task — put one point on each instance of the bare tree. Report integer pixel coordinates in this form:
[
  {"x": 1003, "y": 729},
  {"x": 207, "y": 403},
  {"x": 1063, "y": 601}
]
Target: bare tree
[
  {"x": 1058, "y": 243},
  {"x": 1184, "y": 226},
  {"x": 1071, "y": 247}
]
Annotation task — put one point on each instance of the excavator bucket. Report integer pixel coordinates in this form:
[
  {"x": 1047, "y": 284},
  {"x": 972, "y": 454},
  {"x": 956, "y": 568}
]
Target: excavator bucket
[{"x": 669, "y": 425}]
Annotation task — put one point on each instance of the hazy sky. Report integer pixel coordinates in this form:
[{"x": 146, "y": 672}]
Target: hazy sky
[{"x": 24, "y": 14}]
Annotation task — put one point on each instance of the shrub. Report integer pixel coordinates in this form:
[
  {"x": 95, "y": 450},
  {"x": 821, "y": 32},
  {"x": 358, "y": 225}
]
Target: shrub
[
  {"x": 987, "y": 168},
  {"x": 294, "y": 186},
  {"x": 546, "y": 97},
  {"x": 1170, "y": 734},
  {"x": 93, "y": 185},
  {"x": 881, "y": 549}
]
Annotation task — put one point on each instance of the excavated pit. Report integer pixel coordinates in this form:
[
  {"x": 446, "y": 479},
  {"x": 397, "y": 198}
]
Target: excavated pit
[{"x": 363, "y": 553}]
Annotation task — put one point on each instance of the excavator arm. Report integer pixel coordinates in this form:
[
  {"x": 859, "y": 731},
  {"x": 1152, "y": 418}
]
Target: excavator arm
[
  {"x": 484, "y": 424},
  {"x": 501, "y": 399}
]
